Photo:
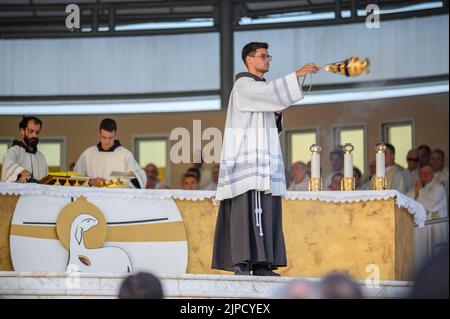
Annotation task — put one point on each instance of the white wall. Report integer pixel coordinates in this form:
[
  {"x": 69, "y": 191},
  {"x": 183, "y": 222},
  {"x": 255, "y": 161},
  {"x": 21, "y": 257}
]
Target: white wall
[
  {"x": 144, "y": 64},
  {"x": 398, "y": 49},
  {"x": 141, "y": 64}
]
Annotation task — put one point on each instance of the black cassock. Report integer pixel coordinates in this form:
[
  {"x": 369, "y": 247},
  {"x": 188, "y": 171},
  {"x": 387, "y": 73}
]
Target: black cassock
[{"x": 238, "y": 238}]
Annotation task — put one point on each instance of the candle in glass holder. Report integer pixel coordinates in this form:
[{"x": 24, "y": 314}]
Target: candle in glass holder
[
  {"x": 380, "y": 168},
  {"x": 348, "y": 160},
  {"x": 315, "y": 161}
]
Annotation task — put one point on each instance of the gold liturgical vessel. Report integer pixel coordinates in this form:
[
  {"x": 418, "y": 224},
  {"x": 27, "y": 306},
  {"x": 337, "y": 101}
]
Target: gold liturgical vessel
[
  {"x": 113, "y": 183},
  {"x": 351, "y": 67}
]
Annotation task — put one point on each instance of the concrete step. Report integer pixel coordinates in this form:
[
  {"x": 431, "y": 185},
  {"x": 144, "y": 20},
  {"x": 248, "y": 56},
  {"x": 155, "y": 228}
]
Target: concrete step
[{"x": 64, "y": 285}]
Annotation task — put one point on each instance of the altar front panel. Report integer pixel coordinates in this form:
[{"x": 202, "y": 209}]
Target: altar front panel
[{"x": 362, "y": 238}]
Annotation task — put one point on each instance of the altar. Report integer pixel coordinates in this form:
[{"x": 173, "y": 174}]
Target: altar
[{"x": 368, "y": 234}]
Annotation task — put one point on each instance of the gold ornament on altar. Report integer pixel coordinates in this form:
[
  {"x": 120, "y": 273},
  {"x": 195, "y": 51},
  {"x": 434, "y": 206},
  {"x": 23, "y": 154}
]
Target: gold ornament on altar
[
  {"x": 351, "y": 67},
  {"x": 380, "y": 148},
  {"x": 64, "y": 179},
  {"x": 379, "y": 183},
  {"x": 113, "y": 183},
  {"x": 315, "y": 149},
  {"x": 348, "y": 148},
  {"x": 315, "y": 184}
]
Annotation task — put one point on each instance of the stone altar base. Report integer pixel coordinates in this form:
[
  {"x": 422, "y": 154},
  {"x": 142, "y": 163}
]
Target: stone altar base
[{"x": 94, "y": 286}]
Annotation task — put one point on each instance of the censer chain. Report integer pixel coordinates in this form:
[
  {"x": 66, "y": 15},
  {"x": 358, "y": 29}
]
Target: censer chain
[{"x": 310, "y": 83}]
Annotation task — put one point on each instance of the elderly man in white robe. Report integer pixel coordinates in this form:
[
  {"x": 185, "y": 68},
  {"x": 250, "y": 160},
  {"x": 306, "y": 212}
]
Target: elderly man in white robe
[
  {"x": 249, "y": 234},
  {"x": 300, "y": 178},
  {"x": 108, "y": 156},
  {"x": 437, "y": 162},
  {"x": 394, "y": 172},
  {"x": 23, "y": 163},
  {"x": 431, "y": 194}
]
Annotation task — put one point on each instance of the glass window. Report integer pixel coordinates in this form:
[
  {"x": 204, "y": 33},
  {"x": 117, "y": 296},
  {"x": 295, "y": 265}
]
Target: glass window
[
  {"x": 401, "y": 136},
  {"x": 355, "y": 136},
  {"x": 3, "y": 148},
  {"x": 153, "y": 150},
  {"x": 52, "y": 148},
  {"x": 52, "y": 153},
  {"x": 299, "y": 143},
  {"x": 5, "y": 143}
]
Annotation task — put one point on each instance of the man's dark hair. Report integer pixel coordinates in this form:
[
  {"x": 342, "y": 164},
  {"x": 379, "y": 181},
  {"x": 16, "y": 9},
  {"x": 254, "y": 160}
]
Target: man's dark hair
[
  {"x": 440, "y": 152},
  {"x": 196, "y": 171},
  {"x": 338, "y": 285},
  {"x": 193, "y": 175},
  {"x": 251, "y": 48},
  {"x": 108, "y": 125},
  {"x": 357, "y": 170},
  {"x": 337, "y": 152},
  {"x": 390, "y": 147},
  {"x": 141, "y": 286},
  {"x": 25, "y": 119},
  {"x": 424, "y": 147}
]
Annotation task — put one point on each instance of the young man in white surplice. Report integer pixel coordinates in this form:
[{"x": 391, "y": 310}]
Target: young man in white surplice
[{"x": 108, "y": 156}]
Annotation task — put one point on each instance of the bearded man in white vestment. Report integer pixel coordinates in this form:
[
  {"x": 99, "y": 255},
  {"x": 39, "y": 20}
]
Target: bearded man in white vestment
[
  {"x": 23, "y": 163},
  {"x": 249, "y": 234},
  {"x": 99, "y": 161}
]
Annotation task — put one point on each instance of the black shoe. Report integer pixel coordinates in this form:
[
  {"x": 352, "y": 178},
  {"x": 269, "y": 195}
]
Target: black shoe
[
  {"x": 264, "y": 271},
  {"x": 242, "y": 270}
]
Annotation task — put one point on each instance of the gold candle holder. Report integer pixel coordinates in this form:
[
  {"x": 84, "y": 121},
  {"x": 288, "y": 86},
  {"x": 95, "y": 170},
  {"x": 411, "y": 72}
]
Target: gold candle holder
[
  {"x": 57, "y": 183},
  {"x": 348, "y": 184},
  {"x": 379, "y": 183},
  {"x": 315, "y": 184}
]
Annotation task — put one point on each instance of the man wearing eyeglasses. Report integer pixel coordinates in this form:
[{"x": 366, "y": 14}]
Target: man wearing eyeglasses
[
  {"x": 249, "y": 234},
  {"x": 411, "y": 173}
]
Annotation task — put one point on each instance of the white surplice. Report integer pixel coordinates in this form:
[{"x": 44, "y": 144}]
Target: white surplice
[{"x": 96, "y": 163}]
